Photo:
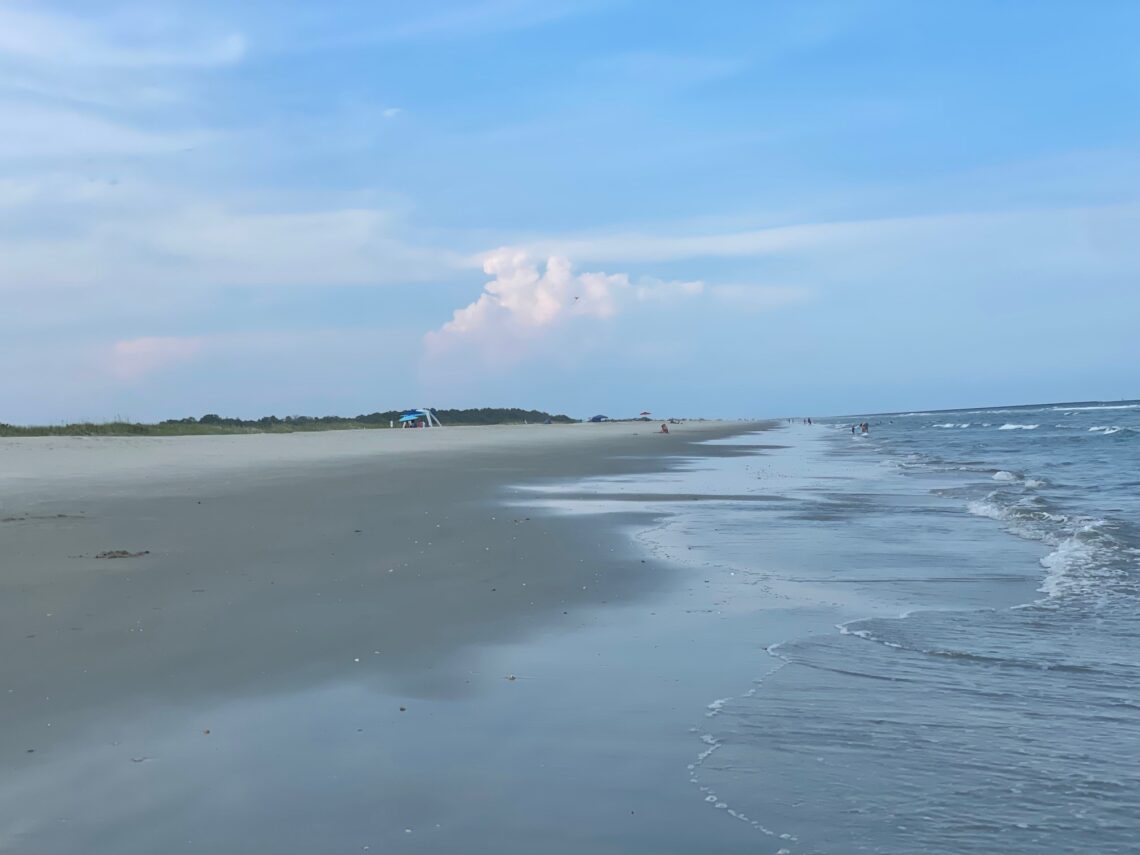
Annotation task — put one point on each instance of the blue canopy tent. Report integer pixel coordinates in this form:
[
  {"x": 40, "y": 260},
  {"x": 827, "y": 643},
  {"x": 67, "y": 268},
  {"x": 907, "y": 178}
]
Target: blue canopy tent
[{"x": 425, "y": 415}]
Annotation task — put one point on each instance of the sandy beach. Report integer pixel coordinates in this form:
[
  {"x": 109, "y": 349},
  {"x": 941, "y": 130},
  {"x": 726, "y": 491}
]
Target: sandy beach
[
  {"x": 777, "y": 638},
  {"x": 278, "y": 643}
]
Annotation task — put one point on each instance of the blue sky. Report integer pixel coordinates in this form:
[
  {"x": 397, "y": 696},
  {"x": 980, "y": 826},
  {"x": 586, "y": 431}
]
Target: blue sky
[{"x": 720, "y": 209}]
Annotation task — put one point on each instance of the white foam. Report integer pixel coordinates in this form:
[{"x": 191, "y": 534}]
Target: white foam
[
  {"x": 1034, "y": 483},
  {"x": 1105, "y": 429},
  {"x": 1003, "y": 475},
  {"x": 712, "y": 743},
  {"x": 986, "y": 508},
  {"x": 1011, "y": 426},
  {"x": 1075, "y": 565},
  {"x": 866, "y": 635},
  {"x": 844, "y": 629},
  {"x": 716, "y": 706},
  {"x": 1059, "y": 563},
  {"x": 1102, "y": 407}
]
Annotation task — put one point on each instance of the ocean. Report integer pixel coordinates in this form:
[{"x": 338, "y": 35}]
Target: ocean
[{"x": 977, "y": 688}]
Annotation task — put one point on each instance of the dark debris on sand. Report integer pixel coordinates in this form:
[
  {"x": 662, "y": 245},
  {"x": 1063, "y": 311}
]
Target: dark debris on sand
[{"x": 121, "y": 553}]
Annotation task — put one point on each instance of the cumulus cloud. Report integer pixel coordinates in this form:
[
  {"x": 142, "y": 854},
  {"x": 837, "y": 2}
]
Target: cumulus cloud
[
  {"x": 525, "y": 300},
  {"x": 134, "y": 359}
]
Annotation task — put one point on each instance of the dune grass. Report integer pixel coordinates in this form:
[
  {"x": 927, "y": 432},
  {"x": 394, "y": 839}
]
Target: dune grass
[{"x": 212, "y": 424}]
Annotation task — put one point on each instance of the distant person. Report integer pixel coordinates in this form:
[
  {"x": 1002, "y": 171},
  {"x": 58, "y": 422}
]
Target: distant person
[
  {"x": 866, "y": 428},
  {"x": 664, "y": 428},
  {"x": 853, "y": 430},
  {"x": 809, "y": 421}
]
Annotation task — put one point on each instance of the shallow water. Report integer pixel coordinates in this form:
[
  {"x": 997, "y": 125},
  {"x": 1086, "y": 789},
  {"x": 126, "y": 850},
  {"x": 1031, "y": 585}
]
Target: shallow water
[{"x": 981, "y": 689}]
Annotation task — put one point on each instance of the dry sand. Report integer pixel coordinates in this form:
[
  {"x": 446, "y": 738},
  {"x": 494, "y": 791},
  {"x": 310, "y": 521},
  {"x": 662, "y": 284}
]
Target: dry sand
[
  {"x": 42, "y": 467},
  {"x": 190, "y": 625}
]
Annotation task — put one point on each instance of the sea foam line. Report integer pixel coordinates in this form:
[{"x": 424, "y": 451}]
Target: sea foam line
[
  {"x": 712, "y": 745},
  {"x": 1101, "y": 407}
]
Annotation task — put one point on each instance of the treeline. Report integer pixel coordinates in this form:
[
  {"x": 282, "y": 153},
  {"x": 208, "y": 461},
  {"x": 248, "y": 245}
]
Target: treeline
[{"x": 212, "y": 423}]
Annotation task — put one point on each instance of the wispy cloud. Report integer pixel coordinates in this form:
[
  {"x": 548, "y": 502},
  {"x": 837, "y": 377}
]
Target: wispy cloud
[
  {"x": 759, "y": 297},
  {"x": 32, "y": 34},
  {"x": 658, "y": 70},
  {"x": 247, "y": 373},
  {"x": 479, "y": 18},
  {"x": 455, "y": 20},
  {"x": 1069, "y": 236},
  {"x": 203, "y": 244},
  {"x": 41, "y": 132},
  {"x": 133, "y": 359},
  {"x": 102, "y": 82}
]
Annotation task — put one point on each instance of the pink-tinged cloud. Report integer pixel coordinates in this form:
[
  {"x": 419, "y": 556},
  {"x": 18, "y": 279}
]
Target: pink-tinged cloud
[
  {"x": 524, "y": 296},
  {"x": 526, "y": 301},
  {"x": 134, "y": 359}
]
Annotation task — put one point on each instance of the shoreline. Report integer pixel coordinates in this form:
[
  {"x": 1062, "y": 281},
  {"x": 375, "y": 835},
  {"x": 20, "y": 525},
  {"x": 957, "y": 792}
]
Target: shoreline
[{"x": 766, "y": 604}]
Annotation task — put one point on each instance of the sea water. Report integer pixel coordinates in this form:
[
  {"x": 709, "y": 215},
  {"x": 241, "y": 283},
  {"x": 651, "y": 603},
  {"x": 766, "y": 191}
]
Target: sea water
[
  {"x": 979, "y": 689},
  {"x": 985, "y": 716}
]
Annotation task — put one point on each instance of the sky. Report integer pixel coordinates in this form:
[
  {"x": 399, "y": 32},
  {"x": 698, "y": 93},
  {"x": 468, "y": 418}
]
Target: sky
[{"x": 723, "y": 209}]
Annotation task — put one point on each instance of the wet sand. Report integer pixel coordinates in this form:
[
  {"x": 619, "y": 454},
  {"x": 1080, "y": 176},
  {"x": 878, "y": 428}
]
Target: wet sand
[{"x": 307, "y": 643}]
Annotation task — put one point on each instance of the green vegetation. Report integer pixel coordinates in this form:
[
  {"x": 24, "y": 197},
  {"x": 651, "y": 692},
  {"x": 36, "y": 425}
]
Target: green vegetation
[{"x": 212, "y": 423}]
